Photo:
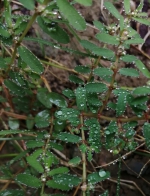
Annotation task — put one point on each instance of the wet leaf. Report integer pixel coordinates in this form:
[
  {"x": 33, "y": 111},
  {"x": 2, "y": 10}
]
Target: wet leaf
[
  {"x": 67, "y": 179},
  {"x": 134, "y": 41},
  {"x": 81, "y": 98},
  {"x": 96, "y": 87},
  {"x": 95, "y": 177},
  {"x": 59, "y": 170},
  {"x": 14, "y": 88},
  {"x": 57, "y": 99},
  {"x": 54, "y": 31},
  {"x": 4, "y": 32},
  {"x": 75, "y": 79},
  {"x": 129, "y": 72},
  {"x": 106, "y": 38},
  {"x": 30, "y": 59},
  {"x": 103, "y": 71},
  {"x": 34, "y": 143},
  {"x": 71, "y": 14},
  {"x": 12, "y": 192},
  {"x": 75, "y": 161},
  {"x": 54, "y": 185},
  {"x": 67, "y": 137},
  {"x": 139, "y": 91},
  {"x": 127, "y": 6},
  {"x": 13, "y": 123},
  {"x": 111, "y": 8},
  {"x": 146, "y": 133},
  {"x": 82, "y": 69},
  {"x": 142, "y": 68},
  {"x": 129, "y": 58},
  {"x": 142, "y": 21},
  {"x": 66, "y": 113},
  {"x": 28, "y": 180},
  {"x": 106, "y": 53},
  {"x": 69, "y": 93},
  {"x": 33, "y": 162},
  {"x": 42, "y": 119},
  {"x": 100, "y": 26}
]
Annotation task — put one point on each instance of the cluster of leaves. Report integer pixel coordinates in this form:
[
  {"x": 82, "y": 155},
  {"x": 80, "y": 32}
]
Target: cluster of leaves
[{"x": 39, "y": 122}]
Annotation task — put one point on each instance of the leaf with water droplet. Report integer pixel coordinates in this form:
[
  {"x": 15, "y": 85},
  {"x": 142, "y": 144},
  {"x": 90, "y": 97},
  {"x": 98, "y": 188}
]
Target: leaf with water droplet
[
  {"x": 100, "y": 26},
  {"x": 94, "y": 87},
  {"x": 146, "y": 133},
  {"x": 42, "y": 119},
  {"x": 28, "y": 180},
  {"x": 142, "y": 20},
  {"x": 129, "y": 72},
  {"x": 111, "y": 8},
  {"x": 127, "y": 6},
  {"x": 81, "y": 98},
  {"x": 142, "y": 68},
  {"x": 55, "y": 32},
  {"x": 104, "y": 52},
  {"x": 94, "y": 177},
  {"x": 71, "y": 14},
  {"x": 59, "y": 170},
  {"x": 106, "y": 38},
  {"x": 67, "y": 137},
  {"x": 13, "y": 123},
  {"x": 30, "y": 59}
]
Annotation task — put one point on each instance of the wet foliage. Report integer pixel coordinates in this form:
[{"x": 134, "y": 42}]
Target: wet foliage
[{"x": 38, "y": 124}]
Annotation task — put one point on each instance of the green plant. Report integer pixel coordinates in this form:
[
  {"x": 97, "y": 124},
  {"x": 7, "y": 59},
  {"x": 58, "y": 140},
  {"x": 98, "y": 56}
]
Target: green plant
[{"x": 38, "y": 123}]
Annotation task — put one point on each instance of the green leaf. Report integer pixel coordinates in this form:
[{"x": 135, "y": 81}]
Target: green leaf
[
  {"x": 142, "y": 68},
  {"x": 103, "y": 71},
  {"x": 66, "y": 113},
  {"x": 7, "y": 132},
  {"x": 28, "y": 180},
  {"x": 57, "y": 99},
  {"x": 146, "y": 133},
  {"x": 106, "y": 38},
  {"x": 127, "y": 6},
  {"x": 59, "y": 170},
  {"x": 75, "y": 79},
  {"x": 106, "y": 53},
  {"x": 111, "y": 8},
  {"x": 67, "y": 179},
  {"x": 67, "y": 137},
  {"x": 42, "y": 95},
  {"x": 82, "y": 69},
  {"x": 139, "y": 91},
  {"x": 34, "y": 143},
  {"x": 75, "y": 161},
  {"x": 129, "y": 58},
  {"x": 13, "y": 123},
  {"x": 80, "y": 93},
  {"x": 96, "y": 87},
  {"x": 98, "y": 176},
  {"x": 85, "y": 2},
  {"x": 100, "y": 26},
  {"x": 14, "y": 88},
  {"x": 94, "y": 134},
  {"x": 54, "y": 31},
  {"x": 9, "y": 192},
  {"x": 33, "y": 162},
  {"x": 69, "y": 93},
  {"x": 134, "y": 41},
  {"x": 121, "y": 103},
  {"x": 28, "y": 4},
  {"x": 71, "y": 14},
  {"x": 4, "y": 32},
  {"x": 30, "y": 59},
  {"x": 55, "y": 185},
  {"x": 93, "y": 99},
  {"x": 140, "y": 6},
  {"x": 42, "y": 119},
  {"x": 129, "y": 72},
  {"x": 142, "y": 21},
  {"x": 3, "y": 63},
  {"x": 30, "y": 122}
]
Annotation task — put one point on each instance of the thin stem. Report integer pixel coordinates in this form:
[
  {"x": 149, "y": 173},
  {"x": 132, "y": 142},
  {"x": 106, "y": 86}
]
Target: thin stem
[{"x": 83, "y": 161}]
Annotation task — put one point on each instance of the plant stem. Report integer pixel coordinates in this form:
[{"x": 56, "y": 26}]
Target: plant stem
[{"x": 83, "y": 160}]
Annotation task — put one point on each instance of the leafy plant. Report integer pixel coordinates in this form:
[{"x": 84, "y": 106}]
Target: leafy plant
[{"x": 38, "y": 123}]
